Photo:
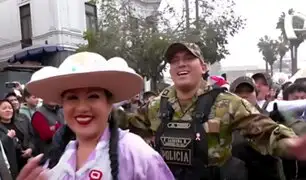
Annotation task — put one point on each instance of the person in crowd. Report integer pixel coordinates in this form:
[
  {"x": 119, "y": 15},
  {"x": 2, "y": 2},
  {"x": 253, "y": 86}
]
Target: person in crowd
[
  {"x": 274, "y": 91},
  {"x": 14, "y": 100},
  {"x": 245, "y": 88},
  {"x": 45, "y": 121},
  {"x": 259, "y": 166},
  {"x": 263, "y": 83},
  {"x": 180, "y": 126},
  {"x": 29, "y": 107},
  {"x": 92, "y": 147},
  {"x": 283, "y": 87},
  {"x": 294, "y": 92},
  {"x": 301, "y": 81},
  {"x": 133, "y": 104},
  {"x": 15, "y": 138},
  {"x": 148, "y": 96},
  {"x": 5, "y": 173}
]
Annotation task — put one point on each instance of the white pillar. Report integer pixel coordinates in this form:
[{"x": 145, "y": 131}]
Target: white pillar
[{"x": 147, "y": 84}]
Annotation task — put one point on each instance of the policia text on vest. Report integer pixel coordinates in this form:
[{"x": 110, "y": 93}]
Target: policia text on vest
[
  {"x": 184, "y": 145},
  {"x": 178, "y": 154}
]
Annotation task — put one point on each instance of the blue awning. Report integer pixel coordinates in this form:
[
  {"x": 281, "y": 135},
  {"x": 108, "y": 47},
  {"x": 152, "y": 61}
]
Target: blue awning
[{"x": 34, "y": 51}]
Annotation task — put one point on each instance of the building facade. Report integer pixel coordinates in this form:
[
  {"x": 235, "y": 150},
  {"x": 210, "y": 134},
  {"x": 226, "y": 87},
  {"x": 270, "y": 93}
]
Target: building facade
[
  {"x": 41, "y": 32},
  {"x": 45, "y": 32}
]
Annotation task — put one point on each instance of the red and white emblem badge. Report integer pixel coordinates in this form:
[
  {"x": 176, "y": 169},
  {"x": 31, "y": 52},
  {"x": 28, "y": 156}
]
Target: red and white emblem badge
[{"x": 95, "y": 175}]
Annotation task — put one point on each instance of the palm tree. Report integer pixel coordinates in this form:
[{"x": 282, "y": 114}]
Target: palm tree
[
  {"x": 268, "y": 48},
  {"x": 282, "y": 49},
  {"x": 293, "y": 44}
]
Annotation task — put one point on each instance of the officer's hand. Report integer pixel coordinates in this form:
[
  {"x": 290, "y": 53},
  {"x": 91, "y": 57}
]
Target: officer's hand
[
  {"x": 150, "y": 141},
  {"x": 276, "y": 115}
]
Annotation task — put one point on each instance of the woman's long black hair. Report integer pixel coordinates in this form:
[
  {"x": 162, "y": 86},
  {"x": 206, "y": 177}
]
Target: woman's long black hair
[{"x": 65, "y": 134}]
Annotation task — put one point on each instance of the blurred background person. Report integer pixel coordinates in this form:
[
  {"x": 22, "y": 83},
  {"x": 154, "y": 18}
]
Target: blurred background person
[
  {"x": 15, "y": 138},
  {"x": 45, "y": 121},
  {"x": 30, "y": 104},
  {"x": 259, "y": 166}
]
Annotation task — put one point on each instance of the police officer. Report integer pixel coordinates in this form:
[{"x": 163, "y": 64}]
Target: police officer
[{"x": 194, "y": 139}]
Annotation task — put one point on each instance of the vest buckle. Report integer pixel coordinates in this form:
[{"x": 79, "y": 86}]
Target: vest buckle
[{"x": 199, "y": 115}]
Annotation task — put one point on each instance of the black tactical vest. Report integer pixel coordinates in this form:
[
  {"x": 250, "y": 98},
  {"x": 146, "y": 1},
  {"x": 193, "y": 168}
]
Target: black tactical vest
[{"x": 183, "y": 144}]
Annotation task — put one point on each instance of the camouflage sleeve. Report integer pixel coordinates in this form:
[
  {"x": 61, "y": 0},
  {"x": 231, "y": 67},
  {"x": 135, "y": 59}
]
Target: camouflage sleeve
[
  {"x": 153, "y": 109},
  {"x": 262, "y": 133},
  {"x": 139, "y": 119},
  {"x": 121, "y": 117},
  {"x": 137, "y": 123}
]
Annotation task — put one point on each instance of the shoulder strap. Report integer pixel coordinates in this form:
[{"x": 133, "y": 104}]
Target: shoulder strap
[
  {"x": 204, "y": 104},
  {"x": 165, "y": 109},
  {"x": 265, "y": 105}
]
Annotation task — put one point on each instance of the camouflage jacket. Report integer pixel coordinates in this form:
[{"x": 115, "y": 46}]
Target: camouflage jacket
[{"x": 229, "y": 113}]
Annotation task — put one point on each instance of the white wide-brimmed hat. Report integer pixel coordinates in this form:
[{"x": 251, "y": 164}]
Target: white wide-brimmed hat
[{"x": 83, "y": 70}]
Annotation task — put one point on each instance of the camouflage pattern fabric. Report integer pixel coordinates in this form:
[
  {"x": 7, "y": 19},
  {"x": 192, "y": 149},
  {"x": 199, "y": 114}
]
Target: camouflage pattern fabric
[
  {"x": 191, "y": 47},
  {"x": 229, "y": 113}
]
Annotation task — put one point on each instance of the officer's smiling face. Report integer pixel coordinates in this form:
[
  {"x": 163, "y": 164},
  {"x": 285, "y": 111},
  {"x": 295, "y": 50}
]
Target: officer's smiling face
[{"x": 186, "y": 70}]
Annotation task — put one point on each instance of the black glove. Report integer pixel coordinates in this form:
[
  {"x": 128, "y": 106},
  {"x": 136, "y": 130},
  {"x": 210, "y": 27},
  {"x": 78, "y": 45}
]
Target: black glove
[{"x": 276, "y": 115}]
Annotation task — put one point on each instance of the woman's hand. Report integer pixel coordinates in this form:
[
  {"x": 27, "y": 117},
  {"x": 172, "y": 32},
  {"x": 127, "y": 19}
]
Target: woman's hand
[
  {"x": 32, "y": 171},
  {"x": 11, "y": 133},
  {"x": 27, "y": 153}
]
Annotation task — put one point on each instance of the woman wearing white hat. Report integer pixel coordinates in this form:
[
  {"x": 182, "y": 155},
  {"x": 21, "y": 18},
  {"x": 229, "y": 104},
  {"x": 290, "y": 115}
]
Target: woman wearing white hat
[{"x": 87, "y": 85}]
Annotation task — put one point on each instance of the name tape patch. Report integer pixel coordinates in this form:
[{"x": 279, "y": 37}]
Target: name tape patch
[
  {"x": 175, "y": 141},
  {"x": 174, "y": 125}
]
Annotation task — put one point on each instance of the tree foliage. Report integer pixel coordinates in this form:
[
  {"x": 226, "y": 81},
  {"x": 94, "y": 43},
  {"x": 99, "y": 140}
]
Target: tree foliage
[
  {"x": 213, "y": 28},
  {"x": 269, "y": 49},
  {"x": 142, "y": 41}
]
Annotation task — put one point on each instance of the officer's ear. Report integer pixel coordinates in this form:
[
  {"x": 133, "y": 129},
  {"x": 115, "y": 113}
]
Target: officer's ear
[{"x": 204, "y": 67}]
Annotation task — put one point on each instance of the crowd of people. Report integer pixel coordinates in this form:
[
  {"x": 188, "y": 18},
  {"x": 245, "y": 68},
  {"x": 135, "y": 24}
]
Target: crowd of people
[{"x": 88, "y": 126}]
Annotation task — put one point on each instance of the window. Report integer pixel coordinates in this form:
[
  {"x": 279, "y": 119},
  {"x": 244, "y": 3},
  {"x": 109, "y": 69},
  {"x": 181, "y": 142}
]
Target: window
[
  {"x": 26, "y": 26},
  {"x": 91, "y": 17}
]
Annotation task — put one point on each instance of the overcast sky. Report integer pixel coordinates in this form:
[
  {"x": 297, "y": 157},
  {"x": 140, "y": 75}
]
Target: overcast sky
[{"x": 262, "y": 16}]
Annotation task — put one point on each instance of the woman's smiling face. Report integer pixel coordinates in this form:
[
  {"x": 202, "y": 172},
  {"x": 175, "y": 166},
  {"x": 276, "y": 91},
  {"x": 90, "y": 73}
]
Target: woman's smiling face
[{"x": 86, "y": 111}]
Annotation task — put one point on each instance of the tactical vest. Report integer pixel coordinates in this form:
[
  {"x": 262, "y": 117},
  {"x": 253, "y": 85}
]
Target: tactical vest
[{"x": 183, "y": 144}]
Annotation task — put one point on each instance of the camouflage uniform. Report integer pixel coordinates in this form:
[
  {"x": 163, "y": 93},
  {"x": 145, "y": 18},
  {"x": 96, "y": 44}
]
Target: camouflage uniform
[{"x": 229, "y": 113}]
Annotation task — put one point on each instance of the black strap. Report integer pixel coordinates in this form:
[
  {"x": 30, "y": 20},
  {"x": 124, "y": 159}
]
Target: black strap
[
  {"x": 165, "y": 109},
  {"x": 204, "y": 104},
  {"x": 265, "y": 105}
]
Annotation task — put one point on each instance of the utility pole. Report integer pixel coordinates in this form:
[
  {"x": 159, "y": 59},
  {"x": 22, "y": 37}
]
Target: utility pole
[
  {"x": 197, "y": 23},
  {"x": 187, "y": 16}
]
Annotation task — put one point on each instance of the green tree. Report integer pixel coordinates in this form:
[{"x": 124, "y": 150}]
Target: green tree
[
  {"x": 268, "y": 48},
  {"x": 215, "y": 22},
  {"x": 282, "y": 49},
  {"x": 293, "y": 44},
  {"x": 142, "y": 41}
]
